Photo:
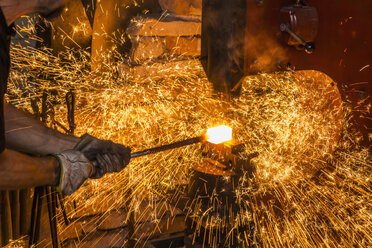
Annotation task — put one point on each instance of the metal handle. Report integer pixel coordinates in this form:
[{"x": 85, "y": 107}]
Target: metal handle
[
  {"x": 308, "y": 46},
  {"x": 167, "y": 147}
]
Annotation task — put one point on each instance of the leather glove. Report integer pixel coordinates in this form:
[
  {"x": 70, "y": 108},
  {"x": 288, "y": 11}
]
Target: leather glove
[
  {"x": 105, "y": 155},
  {"x": 75, "y": 169}
]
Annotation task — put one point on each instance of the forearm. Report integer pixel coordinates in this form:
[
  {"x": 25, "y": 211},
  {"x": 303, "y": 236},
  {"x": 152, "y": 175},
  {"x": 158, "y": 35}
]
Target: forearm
[
  {"x": 18, "y": 170},
  {"x": 26, "y": 134}
]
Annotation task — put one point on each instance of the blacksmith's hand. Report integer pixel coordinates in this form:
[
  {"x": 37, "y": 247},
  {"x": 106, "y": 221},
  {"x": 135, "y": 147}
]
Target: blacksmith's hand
[
  {"x": 75, "y": 168},
  {"x": 105, "y": 155}
]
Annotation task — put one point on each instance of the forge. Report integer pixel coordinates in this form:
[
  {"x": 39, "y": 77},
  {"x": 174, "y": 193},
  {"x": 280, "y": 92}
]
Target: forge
[{"x": 296, "y": 170}]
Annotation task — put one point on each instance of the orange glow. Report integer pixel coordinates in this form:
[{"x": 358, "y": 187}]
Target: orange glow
[{"x": 220, "y": 134}]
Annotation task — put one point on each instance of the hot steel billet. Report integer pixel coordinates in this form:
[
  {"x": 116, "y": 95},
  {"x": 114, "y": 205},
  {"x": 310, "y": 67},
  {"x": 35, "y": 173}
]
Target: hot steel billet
[{"x": 168, "y": 147}]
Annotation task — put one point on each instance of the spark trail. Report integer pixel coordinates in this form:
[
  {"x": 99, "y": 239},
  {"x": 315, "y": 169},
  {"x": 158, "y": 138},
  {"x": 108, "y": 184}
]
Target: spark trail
[{"x": 312, "y": 187}]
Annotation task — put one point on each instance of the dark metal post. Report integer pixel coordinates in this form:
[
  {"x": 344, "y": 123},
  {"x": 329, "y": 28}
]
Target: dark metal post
[
  {"x": 222, "y": 47},
  {"x": 36, "y": 215}
]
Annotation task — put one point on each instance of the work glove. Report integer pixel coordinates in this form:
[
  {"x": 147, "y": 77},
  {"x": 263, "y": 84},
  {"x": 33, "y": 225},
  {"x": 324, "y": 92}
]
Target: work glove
[
  {"x": 105, "y": 155},
  {"x": 75, "y": 168}
]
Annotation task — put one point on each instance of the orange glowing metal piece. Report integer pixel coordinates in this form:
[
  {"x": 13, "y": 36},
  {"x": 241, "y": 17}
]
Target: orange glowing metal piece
[{"x": 220, "y": 134}]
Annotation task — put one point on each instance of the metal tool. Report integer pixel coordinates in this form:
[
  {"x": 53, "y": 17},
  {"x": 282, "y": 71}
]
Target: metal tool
[
  {"x": 52, "y": 196},
  {"x": 308, "y": 46},
  {"x": 168, "y": 147},
  {"x": 215, "y": 135}
]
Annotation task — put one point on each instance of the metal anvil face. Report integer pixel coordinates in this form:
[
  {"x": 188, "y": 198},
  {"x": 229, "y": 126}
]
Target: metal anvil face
[
  {"x": 212, "y": 190},
  {"x": 220, "y": 170},
  {"x": 219, "y": 173},
  {"x": 227, "y": 156}
]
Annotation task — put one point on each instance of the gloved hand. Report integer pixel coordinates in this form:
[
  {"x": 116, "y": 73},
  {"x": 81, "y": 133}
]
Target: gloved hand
[
  {"x": 105, "y": 155},
  {"x": 75, "y": 169}
]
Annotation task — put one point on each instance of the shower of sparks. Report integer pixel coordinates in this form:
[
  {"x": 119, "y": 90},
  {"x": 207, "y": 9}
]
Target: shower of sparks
[{"x": 312, "y": 188}]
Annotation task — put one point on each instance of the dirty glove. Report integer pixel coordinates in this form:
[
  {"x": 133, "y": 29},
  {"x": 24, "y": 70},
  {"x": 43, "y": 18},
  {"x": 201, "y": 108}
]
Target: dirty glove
[
  {"x": 75, "y": 169},
  {"x": 105, "y": 155}
]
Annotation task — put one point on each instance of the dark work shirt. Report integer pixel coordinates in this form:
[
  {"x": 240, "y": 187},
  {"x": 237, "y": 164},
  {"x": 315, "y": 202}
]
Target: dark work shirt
[{"x": 4, "y": 72}]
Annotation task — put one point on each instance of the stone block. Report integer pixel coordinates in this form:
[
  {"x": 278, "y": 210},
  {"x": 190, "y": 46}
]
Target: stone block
[
  {"x": 147, "y": 48},
  {"x": 147, "y": 211},
  {"x": 168, "y": 26},
  {"x": 84, "y": 209},
  {"x": 117, "y": 238},
  {"x": 113, "y": 220},
  {"x": 182, "y": 7},
  {"x": 154, "y": 37},
  {"x": 78, "y": 229},
  {"x": 160, "y": 70},
  {"x": 163, "y": 226},
  {"x": 186, "y": 46}
]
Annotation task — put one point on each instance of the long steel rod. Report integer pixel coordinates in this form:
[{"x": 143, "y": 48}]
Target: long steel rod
[{"x": 167, "y": 147}]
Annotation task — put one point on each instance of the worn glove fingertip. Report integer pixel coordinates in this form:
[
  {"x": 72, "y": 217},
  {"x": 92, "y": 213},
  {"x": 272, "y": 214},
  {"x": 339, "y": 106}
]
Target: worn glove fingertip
[
  {"x": 59, "y": 185},
  {"x": 82, "y": 140}
]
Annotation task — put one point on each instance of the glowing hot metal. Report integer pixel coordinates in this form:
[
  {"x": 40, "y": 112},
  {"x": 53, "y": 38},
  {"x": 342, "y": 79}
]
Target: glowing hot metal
[
  {"x": 220, "y": 134},
  {"x": 214, "y": 135}
]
